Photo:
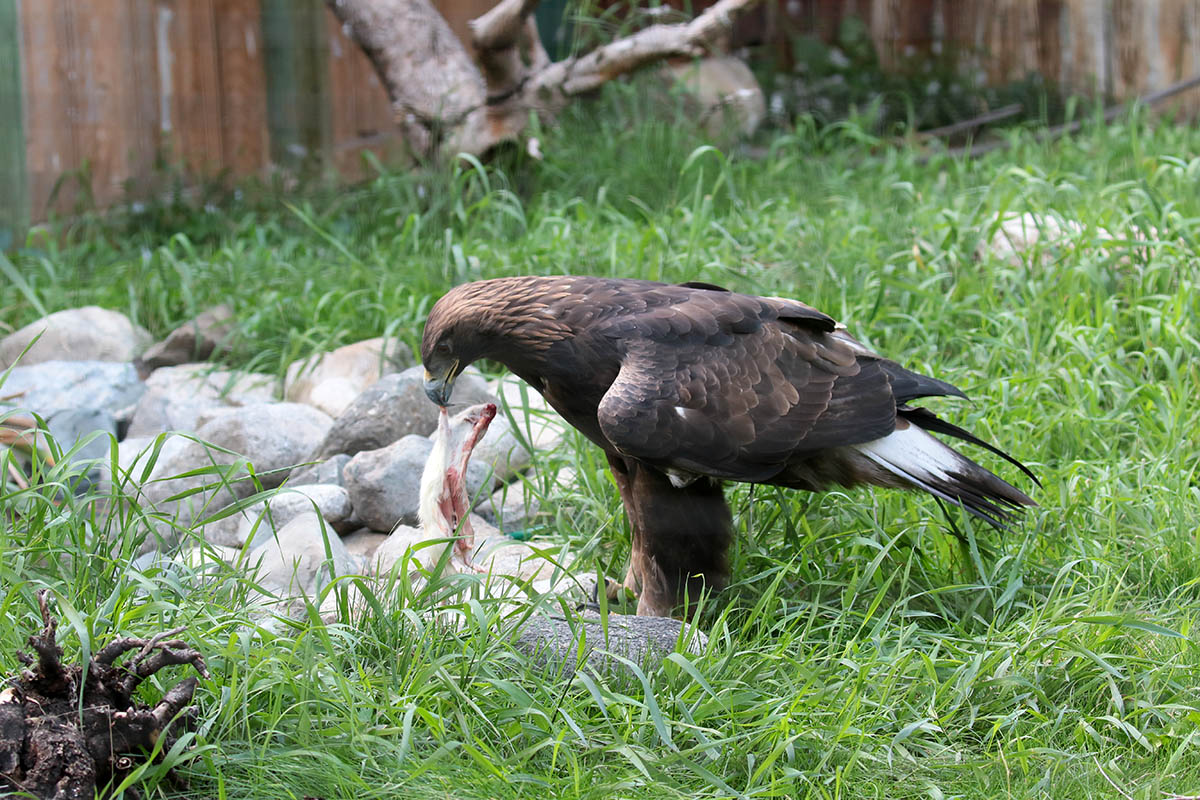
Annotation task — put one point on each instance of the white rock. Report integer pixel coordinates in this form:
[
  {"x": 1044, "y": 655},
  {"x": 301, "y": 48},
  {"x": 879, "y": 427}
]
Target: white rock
[
  {"x": 297, "y": 561},
  {"x": 90, "y": 333},
  {"x": 726, "y": 91},
  {"x": 388, "y": 553},
  {"x": 259, "y": 523},
  {"x": 362, "y": 544},
  {"x": 331, "y": 381},
  {"x": 177, "y": 398}
]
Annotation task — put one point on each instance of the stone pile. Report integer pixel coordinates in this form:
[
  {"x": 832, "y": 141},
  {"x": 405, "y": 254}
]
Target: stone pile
[{"x": 342, "y": 440}]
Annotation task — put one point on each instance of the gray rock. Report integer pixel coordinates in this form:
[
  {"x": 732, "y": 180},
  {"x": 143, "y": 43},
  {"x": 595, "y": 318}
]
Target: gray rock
[
  {"x": 77, "y": 334},
  {"x": 328, "y": 472},
  {"x": 393, "y": 407},
  {"x": 331, "y": 381},
  {"x": 362, "y": 544},
  {"x": 304, "y": 557},
  {"x": 555, "y": 640},
  {"x": 274, "y": 436},
  {"x": 181, "y": 502},
  {"x": 177, "y": 398},
  {"x": 92, "y": 430},
  {"x": 55, "y": 386},
  {"x": 260, "y": 522},
  {"x": 385, "y": 484},
  {"x": 192, "y": 341}
]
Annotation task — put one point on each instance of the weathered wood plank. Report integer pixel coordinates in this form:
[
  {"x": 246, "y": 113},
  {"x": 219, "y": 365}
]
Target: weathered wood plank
[
  {"x": 243, "y": 85},
  {"x": 50, "y": 142},
  {"x": 141, "y": 72},
  {"x": 104, "y": 117},
  {"x": 14, "y": 184},
  {"x": 195, "y": 86}
]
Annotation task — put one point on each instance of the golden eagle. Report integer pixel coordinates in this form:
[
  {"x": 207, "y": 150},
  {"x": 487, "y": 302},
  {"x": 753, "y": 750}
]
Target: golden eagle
[{"x": 685, "y": 386}]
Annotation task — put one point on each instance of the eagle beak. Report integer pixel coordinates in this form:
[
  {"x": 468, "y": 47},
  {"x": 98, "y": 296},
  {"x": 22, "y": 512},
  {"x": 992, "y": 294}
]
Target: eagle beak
[{"x": 439, "y": 388}]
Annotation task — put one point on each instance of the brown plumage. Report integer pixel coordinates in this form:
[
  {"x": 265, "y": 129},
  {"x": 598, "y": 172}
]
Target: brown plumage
[{"x": 685, "y": 386}]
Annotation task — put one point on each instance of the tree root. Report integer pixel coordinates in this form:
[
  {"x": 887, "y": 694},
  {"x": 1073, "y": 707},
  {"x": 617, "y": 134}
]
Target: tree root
[{"x": 63, "y": 742}]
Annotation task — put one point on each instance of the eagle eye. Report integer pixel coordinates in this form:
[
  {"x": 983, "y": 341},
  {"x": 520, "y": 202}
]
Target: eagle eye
[{"x": 442, "y": 348}]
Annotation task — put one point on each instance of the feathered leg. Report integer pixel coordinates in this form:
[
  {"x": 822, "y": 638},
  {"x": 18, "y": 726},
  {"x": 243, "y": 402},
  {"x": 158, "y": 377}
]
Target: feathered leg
[{"x": 681, "y": 537}]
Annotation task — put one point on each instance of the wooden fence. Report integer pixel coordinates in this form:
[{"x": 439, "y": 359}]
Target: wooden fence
[{"x": 97, "y": 95}]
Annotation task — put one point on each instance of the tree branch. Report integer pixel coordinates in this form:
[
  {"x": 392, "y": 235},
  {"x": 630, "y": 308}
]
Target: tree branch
[
  {"x": 588, "y": 72},
  {"x": 426, "y": 70}
]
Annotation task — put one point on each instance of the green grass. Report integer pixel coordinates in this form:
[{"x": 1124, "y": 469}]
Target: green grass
[{"x": 862, "y": 650}]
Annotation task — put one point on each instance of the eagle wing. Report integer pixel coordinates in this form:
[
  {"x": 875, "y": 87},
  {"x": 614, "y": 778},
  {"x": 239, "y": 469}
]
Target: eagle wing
[{"x": 733, "y": 386}]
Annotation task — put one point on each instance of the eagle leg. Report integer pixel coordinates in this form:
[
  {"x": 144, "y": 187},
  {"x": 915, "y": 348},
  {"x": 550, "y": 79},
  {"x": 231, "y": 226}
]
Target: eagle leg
[{"x": 681, "y": 537}]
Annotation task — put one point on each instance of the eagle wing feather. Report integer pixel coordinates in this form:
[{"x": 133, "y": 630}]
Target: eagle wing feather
[{"x": 745, "y": 385}]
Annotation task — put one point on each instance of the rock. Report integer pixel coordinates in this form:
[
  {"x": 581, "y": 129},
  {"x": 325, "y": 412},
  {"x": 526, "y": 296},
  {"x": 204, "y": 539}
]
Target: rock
[
  {"x": 192, "y": 341},
  {"x": 501, "y": 451},
  {"x": 385, "y": 484},
  {"x": 77, "y": 334},
  {"x": 393, "y": 407},
  {"x": 296, "y": 561},
  {"x": 555, "y": 640},
  {"x": 1017, "y": 235},
  {"x": 362, "y": 544},
  {"x": 92, "y": 430},
  {"x": 331, "y": 381},
  {"x": 272, "y": 436},
  {"x": 328, "y": 471},
  {"x": 257, "y": 526},
  {"x": 517, "y": 506},
  {"x": 539, "y": 424},
  {"x": 51, "y": 387},
  {"x": 498, "y": 554},
  {"x": 512, "y": 507},
  {"x": 384, "y": 557},
  {"x": 181, "y": 502},
  {"x": 726, "y": 92},
  {"x": 177, "y": 398}
]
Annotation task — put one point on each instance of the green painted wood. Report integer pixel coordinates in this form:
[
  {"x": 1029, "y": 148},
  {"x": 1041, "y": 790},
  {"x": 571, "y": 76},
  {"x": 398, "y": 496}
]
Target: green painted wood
[
  {"x": 299, "y": 112},
  {"x": 14, "y": 182}
]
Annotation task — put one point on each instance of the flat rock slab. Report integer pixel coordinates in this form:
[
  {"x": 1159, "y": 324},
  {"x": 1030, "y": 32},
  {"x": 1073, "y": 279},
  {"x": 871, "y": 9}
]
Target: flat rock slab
[
  {"x": 555, "y": 640},
  {"x": 54, "y": 386},
  {"x": 76, "y": 334}
]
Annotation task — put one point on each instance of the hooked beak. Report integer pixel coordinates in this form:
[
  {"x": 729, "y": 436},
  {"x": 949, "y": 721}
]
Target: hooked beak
[{"x": 438, "y": 388}]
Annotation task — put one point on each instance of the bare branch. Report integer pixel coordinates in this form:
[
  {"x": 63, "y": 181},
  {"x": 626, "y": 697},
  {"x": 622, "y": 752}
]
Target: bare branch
[
  {"x": 426, "y": 70},
  {"x": 589, "y": 72},
  {"x": 500, "y": 27},
  {"x": 508, "y": 46}
]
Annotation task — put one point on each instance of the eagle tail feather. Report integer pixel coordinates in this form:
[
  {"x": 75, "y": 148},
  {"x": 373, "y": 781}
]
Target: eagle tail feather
[
  {"x": 929, "y": 421},
  {"x": 923, "y": 462}
]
